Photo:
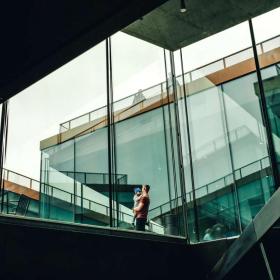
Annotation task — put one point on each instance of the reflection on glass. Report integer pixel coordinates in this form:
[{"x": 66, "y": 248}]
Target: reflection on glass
[
  {"x": 217, "y": 140},
  {"x": 57, "y": 189}
]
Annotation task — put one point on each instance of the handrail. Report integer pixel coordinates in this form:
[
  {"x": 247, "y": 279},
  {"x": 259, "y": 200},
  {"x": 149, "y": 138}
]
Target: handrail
[
  {"x": 223, "y": 60},
  {"x": 213, "y": 182},
  {"x": 93, "y": 173},
  {"x": 21, "y": 176},
  {"x": 158, "y": 207},
  {"x": 82, "y": 199},
  {"x": 71, "y": 194},
  {"x": 103, "y": 176}
]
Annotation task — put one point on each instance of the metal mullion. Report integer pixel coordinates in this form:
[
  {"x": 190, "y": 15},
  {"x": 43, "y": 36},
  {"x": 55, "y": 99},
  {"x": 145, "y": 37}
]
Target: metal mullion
[
  {"x": 1, "y": 155},
  {"x": 75, "y": 182},
  {"x": 166, "y": 151},
  {"x": 82, "y": 203},
  {"x": 179, "y": 144},
  {"x": 3, "y": 145},
  {"x": 109, "y": 130},
  {"x": 170, "y": 132},
  {"x": 40, "y": 188},
  {"x": 190, "y": 150},
  {"x": 113, "y": 134}
]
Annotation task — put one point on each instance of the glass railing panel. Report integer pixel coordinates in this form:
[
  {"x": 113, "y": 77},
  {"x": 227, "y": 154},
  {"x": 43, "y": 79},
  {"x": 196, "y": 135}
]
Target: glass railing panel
[
  {"x": 250, "y": 169},
  {"x": 229, "y": 179},
  {"x": 80, "y": 121},
  {"x": 64, "y": 127},
  {"x": 206, "y": 70},
  {"x": 153, "y": 92},
  {"x": 61, "y": 195},
  {"x": 20, "y": 180},
  {"x": 271, "y": 44},
  {"x": 239, "y": 57},
  {"x": 96, "y": 178},
  {"x": 98, "y": 114},
  {"x": 35, "y": 185},
  {"x": 127, "y": 102},
  {"x": 217, "y": 185}
]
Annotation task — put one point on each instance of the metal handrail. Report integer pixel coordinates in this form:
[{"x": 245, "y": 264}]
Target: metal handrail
[
  {"x": 223, "y": 60},
  {"x": 213, "y": 182},
  {"x": 82, "y": 199},
  {"x": 92, "y": 173},
  {"x": 52, "y": 187},
  {"x": 21, "y": 176}
]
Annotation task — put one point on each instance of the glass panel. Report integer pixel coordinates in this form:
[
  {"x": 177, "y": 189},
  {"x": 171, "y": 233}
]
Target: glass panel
[
  {"x": 267, "y": 35},
  {"x": 76, "y": 88},
  {"x": 216, "y": 207},
  {"x": 248, "y": 143},
  {"x": 91, "y": 163},
  {"x": 144, "y": 134},
  {"x": 57, "y": 188}
]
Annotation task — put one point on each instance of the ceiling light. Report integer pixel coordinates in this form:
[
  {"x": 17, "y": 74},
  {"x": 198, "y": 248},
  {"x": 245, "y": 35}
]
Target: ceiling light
[{"x": 183, "y": 8}]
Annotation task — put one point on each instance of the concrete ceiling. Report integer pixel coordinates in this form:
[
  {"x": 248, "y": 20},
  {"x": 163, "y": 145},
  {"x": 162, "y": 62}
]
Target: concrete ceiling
[
  {"x": 170, "y": 29},
  {"x": 39, "y": 36}
]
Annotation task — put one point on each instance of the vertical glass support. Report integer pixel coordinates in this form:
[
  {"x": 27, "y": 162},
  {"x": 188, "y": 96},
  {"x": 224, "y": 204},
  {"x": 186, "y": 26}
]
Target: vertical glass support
[
  {"x": 166, "y": 149},
  {"x": 41, "y": 185},
  {"x": 115, "y": 185},
  {"x": 75, "y": 183},
  {"x": 263, "y": 106},
  {"x": 113, "y": 195},
  {"x": 189, "y": 149},
  {"x": 171, "y": 138},
  {"x": 3, "y": 147},
  {"x": 179, "y": 144},
  {"x": 109, "y": 122}
]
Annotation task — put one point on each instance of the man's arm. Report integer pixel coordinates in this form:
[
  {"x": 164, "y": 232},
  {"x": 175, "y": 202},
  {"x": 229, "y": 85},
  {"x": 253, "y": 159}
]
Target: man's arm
[{"x": 139, "y": 207}]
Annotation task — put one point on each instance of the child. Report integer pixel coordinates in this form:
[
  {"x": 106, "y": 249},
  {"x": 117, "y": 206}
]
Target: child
[{"x": 136, "y": 199}]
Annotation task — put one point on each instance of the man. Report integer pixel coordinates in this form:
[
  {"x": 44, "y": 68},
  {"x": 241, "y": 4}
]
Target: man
[{"x": 142, "y": 209}]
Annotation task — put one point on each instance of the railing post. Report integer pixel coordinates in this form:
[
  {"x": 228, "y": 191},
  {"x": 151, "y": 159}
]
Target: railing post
[
  {"x": 262, "y": 50},
  {"x": 224, "y": 63},
  {"x": 191, "y": 76}
]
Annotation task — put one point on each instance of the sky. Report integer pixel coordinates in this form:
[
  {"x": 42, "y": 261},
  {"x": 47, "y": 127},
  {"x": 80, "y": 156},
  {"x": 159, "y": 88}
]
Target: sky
[{"x": 80, "y": 86}]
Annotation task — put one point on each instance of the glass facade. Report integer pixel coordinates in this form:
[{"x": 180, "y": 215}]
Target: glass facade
[{"x": 191, "y": 124}]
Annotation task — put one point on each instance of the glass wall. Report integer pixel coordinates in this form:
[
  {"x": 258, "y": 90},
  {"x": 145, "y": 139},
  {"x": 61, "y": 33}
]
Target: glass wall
[
  {"x": 268, "y": 44},
  {"x": 71, "y": 172},
  {"x": 190, "y": 124},
  {"x": 249, "y": 146},
  {"x": 145, "y": 130},
  {"x": 197, "y": 138},
  {"x": 57, "y": 193},
  {"x": 227, "y": 167}
]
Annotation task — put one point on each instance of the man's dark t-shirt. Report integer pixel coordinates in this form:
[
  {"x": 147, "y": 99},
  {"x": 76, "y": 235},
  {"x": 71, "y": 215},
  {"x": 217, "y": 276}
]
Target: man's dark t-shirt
[{"x": 143, "y": 213}]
